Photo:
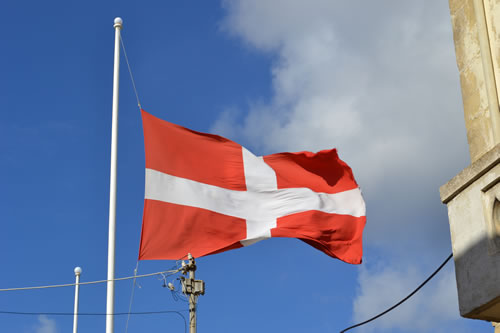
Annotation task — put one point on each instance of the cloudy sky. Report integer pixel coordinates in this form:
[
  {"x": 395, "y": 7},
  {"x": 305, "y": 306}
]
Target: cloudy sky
[{"x": 377, "y": 80}]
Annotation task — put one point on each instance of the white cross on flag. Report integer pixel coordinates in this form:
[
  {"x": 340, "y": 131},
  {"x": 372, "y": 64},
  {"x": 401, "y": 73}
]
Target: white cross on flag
[{"x": 207, "y": 194}]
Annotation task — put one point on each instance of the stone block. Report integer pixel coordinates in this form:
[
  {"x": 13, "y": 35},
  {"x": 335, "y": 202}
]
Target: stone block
[{"x": 473, "y": 200}]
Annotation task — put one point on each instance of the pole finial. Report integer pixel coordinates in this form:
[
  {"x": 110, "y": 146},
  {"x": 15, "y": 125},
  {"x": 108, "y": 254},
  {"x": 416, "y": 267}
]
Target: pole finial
[{"x": 118, "y": 22}]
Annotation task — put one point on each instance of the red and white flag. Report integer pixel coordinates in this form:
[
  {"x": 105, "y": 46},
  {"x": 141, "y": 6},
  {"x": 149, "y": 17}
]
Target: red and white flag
[{"x": 207, "y": 194}]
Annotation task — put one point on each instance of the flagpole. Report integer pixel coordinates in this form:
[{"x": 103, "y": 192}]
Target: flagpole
[{"x": 110, "y": 303}]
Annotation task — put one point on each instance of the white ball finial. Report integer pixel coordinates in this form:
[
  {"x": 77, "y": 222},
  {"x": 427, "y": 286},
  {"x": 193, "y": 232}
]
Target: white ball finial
[
  {"x": 118, "y": 22},
  {"x": 78, "y": 270}
]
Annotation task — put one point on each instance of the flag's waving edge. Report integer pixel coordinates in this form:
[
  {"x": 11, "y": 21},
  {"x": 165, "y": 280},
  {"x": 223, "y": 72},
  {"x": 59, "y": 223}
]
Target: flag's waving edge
[{"x": 205, "y": 194}]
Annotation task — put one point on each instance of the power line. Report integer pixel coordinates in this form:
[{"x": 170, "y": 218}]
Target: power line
[
  {"x": 88, "y": 313},
  {"x": 171, "y": 272},
  {"x": 167, "y": 273},
  {"x": 404, "y": 299},
  {"x": 98, "y": 314}
]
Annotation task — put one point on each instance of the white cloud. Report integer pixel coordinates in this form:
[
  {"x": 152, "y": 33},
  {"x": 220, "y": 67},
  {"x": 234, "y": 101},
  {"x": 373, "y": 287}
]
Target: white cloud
[
  {"x": 377, "y": 80},
  {"x": 45, "y": 325}
]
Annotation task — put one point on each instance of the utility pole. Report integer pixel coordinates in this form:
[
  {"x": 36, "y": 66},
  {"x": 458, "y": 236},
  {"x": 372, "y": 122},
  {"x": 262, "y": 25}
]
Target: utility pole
[{"x": 192, "y": 289}]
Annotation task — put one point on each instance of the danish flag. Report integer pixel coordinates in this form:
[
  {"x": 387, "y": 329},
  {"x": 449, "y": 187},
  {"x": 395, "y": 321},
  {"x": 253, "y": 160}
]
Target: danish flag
[{"x": 206, "y": 194}]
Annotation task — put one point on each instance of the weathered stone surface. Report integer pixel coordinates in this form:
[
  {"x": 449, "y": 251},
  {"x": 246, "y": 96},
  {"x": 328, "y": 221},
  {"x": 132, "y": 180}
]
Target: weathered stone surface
[
  {"x": 467, "y": 176},
  {"x": 477, "y": 261},
  {"x": 465, "y": 35},
  {"x": 456, "y": 5},
  {"x": 493, "y": 16},
  {"x": 478, "y": 120},
  {"x": 473, "y": 196},
  {"x": 475, "y": 101}
]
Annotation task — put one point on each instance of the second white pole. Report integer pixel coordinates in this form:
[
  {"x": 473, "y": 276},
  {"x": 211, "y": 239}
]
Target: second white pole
[{"x": 78, "y": 272}]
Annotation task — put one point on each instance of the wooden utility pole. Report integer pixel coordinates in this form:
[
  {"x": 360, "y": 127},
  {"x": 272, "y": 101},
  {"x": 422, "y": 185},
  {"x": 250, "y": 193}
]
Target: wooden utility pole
[{"x": 192, "y": 289}]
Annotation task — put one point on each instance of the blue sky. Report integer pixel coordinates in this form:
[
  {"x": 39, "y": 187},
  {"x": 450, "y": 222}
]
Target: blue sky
[{"x": 378, "y": 81}]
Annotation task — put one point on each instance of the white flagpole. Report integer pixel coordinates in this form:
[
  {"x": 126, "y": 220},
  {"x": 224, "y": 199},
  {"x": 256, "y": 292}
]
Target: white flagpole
[
  {"x": 110, "y": 304},
  {"x": 78, "y": 271}
]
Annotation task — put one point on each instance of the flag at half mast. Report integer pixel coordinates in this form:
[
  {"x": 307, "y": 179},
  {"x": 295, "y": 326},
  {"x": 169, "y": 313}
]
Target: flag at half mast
[{"x": 206, "y": 194}]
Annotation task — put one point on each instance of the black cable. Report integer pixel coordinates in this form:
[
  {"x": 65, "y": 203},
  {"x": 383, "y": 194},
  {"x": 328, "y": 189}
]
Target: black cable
[
  {"x": 97, "y": 314},
  {"x": 404, "y": 299},
  {"x": 183, "y": 318}
]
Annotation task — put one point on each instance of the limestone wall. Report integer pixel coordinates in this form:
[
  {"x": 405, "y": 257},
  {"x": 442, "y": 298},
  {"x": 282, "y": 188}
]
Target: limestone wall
[{"x": 475, "y": 61}]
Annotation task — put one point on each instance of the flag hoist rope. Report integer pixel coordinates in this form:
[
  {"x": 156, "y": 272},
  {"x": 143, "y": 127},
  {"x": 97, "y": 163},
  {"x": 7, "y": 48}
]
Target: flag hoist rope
[
  {"x": 110, "y": 299},
  {"x": 130, "y": 73}
]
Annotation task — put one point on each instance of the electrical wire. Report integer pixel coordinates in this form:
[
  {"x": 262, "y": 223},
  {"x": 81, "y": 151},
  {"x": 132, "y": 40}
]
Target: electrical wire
[
  {"x": 166, "y": 273},
  {"x": 177, "y": 295},
  {"x": 404, "y": 299},
  {"x": 88, "y": 313},
  {"x": 99, "y": 314}
]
